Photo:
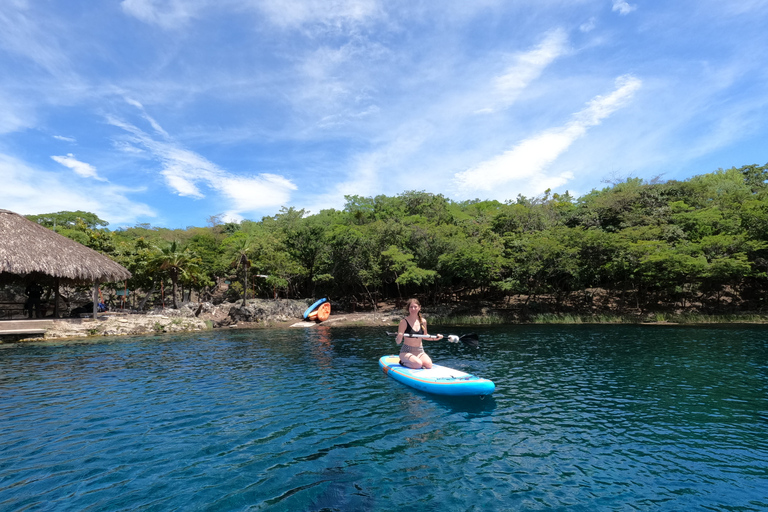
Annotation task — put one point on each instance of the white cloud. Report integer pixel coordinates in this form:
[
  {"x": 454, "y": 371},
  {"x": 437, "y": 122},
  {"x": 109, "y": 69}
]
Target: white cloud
[
  {"x": 177, "y": 177},
  {"x": 185, "y": 172},
  {"x": 65, "y": 139},
  {"x": 155, "y": 125},
  {"x": 623, "y": 7},
  {"x": 81, "y": 168},
  {"x": 28, "y": 190},
  {"x": 526, "y": 68},
  {"x": 254, "y": 193},
  {"x": 529, "y": 159}
]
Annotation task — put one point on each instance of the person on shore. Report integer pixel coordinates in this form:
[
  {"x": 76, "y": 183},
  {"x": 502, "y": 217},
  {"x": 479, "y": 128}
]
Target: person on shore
[
  {"x": 34, "y": 305},
  {"x": 412, "y": 354}
]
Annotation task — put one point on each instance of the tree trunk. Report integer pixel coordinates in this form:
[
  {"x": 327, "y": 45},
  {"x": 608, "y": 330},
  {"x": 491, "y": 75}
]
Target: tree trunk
[
  {"x": 147, "y": 296},
  {"x": 245, "y": 284}
]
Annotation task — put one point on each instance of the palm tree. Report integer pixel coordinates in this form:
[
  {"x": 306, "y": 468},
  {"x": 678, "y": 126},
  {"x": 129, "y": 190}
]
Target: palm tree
[
  {"x": 242, "y": 247},
  {"x": 178, "y": 263}
]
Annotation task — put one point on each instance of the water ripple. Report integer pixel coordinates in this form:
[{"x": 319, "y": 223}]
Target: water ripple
[{"x": 615, "y": 418}]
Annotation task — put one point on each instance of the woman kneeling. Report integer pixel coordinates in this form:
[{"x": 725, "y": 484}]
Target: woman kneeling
[{"x": 412, "y": 354}]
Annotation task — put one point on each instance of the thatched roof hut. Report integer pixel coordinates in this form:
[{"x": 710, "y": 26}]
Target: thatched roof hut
[{"x": 29, "y": 251}]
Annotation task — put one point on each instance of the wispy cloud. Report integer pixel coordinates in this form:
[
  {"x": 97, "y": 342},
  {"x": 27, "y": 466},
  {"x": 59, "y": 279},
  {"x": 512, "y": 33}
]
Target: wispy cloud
[
  {"x": 751, "y": 7},
  {"x": 29, "y": 190},
  {"x": 12, "y": 115},
  {"x": 529, "y": 159},
  {"x": 332, "y": 15},
  {"x": 155, "y": 125},
  {"x": 623, "y": 7},
  {"x": 189, "y": 174},
  {"x": 24, "y": 33},
  {"x": 471, "y": 99},
  {"x": 589, "y": 25},
  {"x": 334, "y": 82},
  {"x": 164, "y": 13},
  {"x": 81, "y": 168},
  {"x": 526, "y": 67},
  {"x": 369, "y": 173},
  {"x": 292, "y": 13}
]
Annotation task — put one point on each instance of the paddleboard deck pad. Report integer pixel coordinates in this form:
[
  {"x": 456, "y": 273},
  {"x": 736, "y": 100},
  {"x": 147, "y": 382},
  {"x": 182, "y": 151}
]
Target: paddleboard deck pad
[{"x": 439, "y": 380}]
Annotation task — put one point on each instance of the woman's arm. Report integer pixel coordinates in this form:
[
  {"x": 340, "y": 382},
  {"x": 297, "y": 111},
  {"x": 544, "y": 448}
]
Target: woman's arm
[
  {"x": 424, "y": 326},
  {"x": 400, "y": 331}
]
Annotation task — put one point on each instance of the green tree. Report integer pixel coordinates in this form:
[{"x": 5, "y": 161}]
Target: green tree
[
  {"x": 239, "y": 248},
  {"x": 69, "y": 220},
  {"x": 178, "y": 263},
  {"x": 471, "y": 263},
  {"x": 404, "y": 271}
]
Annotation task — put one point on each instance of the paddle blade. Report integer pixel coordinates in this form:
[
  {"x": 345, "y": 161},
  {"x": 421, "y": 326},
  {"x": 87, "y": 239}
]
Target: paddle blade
[{"x": 471, "y": 340}]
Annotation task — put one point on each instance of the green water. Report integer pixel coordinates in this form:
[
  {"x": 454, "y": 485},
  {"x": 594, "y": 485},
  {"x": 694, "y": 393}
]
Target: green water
[{"x": 583, "y": 418}]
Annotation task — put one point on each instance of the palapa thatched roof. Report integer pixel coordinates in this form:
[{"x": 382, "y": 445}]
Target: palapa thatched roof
[{"x": 28, "y": 249}]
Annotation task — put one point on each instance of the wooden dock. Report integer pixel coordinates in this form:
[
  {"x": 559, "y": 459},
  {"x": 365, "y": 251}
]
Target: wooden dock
[{"x": 14, "y": 330}]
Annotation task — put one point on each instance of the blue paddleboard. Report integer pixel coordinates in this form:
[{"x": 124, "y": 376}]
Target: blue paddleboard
[
  {"x": 439, "y": 380},
  {"x": 314, "y": 306}
]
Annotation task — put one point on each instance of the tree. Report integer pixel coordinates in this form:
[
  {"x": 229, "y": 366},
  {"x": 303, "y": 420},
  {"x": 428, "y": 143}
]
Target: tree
[
  {"x": 69, "y": 220},
  {"x": 239, "y": 247},
  {"x": 470, "y": 263},
  {"x": 542, "y": 262},
  {"x": 403, "y": 270},
  {"x": 177, "y": 262}
]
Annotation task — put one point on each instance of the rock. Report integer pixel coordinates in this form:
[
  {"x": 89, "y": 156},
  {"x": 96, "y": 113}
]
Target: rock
[
  {"x": 109, "y": 325},
  {"x": 266, "y": 311}
]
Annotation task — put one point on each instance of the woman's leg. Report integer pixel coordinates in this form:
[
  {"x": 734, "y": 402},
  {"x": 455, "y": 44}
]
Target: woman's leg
[
  {"x": 411, "y": 361},
  {"x": 416, "y": 362}
]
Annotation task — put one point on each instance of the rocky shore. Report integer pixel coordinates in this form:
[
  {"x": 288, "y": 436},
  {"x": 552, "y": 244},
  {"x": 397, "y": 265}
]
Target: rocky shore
[{"x": 257, "y": 313}]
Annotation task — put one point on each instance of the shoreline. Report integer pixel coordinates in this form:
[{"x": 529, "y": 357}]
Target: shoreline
[{"x": 282, "y": 314}]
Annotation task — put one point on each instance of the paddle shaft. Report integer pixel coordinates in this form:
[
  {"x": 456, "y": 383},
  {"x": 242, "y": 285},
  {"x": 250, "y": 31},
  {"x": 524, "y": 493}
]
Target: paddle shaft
[
  {"x": 468, "y": 339},
  {"x": 415, "y": 335}
]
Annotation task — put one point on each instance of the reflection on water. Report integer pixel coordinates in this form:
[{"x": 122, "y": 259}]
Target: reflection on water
[{"x": 584, "y": 417}]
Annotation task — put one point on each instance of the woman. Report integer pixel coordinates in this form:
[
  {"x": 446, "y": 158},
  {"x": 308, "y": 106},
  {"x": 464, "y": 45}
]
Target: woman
[{"x": 412, "y": 353}]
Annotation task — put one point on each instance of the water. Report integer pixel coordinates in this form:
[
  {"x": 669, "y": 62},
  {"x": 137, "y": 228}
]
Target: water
[{"x": 583, "y": 418}]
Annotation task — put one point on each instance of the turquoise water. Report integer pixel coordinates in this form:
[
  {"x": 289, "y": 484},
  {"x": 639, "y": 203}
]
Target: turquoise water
[{"x": 583, "y": 418}]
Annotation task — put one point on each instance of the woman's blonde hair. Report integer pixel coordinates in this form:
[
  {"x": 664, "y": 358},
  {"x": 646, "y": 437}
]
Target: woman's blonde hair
[{"x": 408, "y": 309}]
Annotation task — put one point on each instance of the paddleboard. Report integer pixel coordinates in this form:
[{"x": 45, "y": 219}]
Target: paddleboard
[
  {"x": 322, "y": 312},
  {"x": 314, "y": 306},
  {"x": 439, "y": 380}
]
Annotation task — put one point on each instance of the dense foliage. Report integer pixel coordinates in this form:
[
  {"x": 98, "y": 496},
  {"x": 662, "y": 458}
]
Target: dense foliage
[{"x": 635, "y": 245}]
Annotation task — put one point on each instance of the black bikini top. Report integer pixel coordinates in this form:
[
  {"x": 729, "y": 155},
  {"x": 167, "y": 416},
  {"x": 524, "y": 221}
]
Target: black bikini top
[{"x": 409, "y": 329}]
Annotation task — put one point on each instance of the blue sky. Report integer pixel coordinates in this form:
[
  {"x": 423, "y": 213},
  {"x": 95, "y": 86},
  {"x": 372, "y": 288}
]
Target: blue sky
[{"x": 171, "y": 111}]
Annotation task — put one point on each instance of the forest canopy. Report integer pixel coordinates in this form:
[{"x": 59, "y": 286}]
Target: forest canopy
[{"x": 636, "y": 245}]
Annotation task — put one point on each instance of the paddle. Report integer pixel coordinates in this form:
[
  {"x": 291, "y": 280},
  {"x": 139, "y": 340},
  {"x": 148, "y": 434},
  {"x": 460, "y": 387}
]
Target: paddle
[{"x": 470, "y": 339}]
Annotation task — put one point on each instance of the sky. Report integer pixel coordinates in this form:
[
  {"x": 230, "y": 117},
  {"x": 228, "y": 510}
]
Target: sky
[{"x": 173, "y": 112}]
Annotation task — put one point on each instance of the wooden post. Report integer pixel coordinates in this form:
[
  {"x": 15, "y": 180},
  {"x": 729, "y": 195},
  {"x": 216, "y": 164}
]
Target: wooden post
[
  {"x": 95, "y": 298},
  {"x": 56, "y": 296}
]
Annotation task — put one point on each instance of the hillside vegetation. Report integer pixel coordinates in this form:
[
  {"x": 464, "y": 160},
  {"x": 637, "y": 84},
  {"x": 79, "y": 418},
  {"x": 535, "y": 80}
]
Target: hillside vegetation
[{"x": 698, "y": 245}]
